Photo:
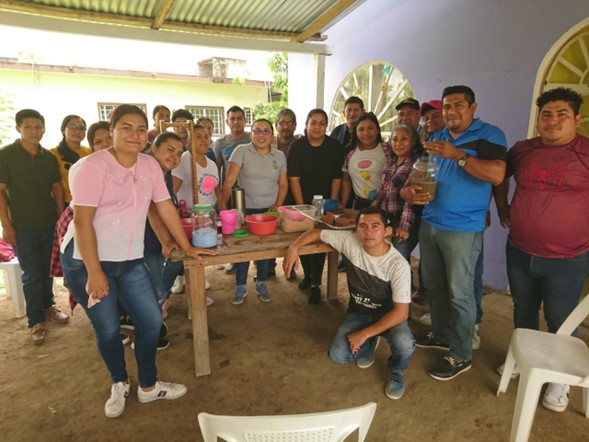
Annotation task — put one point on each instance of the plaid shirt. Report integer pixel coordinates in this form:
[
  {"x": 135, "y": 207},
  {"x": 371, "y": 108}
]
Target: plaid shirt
[
  {"x": 60, "y": 228},
  {"x": 389, "y": 198}
]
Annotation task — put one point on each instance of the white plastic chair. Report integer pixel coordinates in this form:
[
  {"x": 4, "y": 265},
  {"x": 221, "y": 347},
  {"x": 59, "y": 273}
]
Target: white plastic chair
[
  {"x": 329, "y": 426},
  {"x": 14, "y": 288},
  {"x": 545, "y": 357}
]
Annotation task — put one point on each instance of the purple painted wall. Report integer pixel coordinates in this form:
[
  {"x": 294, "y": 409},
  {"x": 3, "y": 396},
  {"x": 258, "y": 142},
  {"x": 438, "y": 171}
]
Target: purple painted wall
[{"x": 495, "y": 47}]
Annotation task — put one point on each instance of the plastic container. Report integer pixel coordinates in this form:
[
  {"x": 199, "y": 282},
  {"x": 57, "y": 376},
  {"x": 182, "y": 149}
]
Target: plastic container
[
  {"x": 425, "y": 175},
  {"x": 319, "y": 204},
  {"x": 204, "y": 230},
  {"x": 330, "y": 205},
  {"x": 261, "y": 224},
  {"x": 297, "y": 218},
  {"x": 229, "y": 221},
  {"x": 187, "y": 225}
]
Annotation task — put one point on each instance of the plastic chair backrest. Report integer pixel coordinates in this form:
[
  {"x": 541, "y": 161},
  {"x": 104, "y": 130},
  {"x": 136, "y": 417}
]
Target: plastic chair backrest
[
  {"x": 330, "y": 426},
  {"x": 575, "y": 318}
]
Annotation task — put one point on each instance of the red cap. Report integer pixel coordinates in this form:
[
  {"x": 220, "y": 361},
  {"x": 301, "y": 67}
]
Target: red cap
[{"x": 432, "y": 104}]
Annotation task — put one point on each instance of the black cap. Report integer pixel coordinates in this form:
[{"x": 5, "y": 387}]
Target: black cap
[{"x": 411, "y": 102}]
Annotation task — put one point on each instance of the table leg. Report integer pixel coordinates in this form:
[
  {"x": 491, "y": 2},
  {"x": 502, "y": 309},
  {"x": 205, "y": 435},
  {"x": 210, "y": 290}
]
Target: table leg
[
  {"x": 332, "y": 260},
  {"x": 195, "y": 285}
]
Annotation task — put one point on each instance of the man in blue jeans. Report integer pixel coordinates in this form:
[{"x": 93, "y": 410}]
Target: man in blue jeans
[
  {"x": 471, "y": 156},
  {"x": 548, "y": 220},
  {"x": 31, "y": 200},
  {"x": 380, "y": 294}
]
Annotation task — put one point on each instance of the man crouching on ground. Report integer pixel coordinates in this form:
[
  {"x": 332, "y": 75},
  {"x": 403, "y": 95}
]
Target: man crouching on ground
[{"x": 380, "y": 294}]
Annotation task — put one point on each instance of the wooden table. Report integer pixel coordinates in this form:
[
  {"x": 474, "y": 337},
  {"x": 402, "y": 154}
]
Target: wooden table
[{"x": 251, "y": 248}]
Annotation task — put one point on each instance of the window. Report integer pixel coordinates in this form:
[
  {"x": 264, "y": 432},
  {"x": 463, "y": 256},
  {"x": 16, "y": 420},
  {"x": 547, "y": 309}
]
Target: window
[
  {"x": 104, "y": 109},
  {"x": 249, "y": 116},
  {"x": 381, "y": 86},
  {"x": 214, "y": 113}
]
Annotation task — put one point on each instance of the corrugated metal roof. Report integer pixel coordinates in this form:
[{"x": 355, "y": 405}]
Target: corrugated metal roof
[{"x": 295, "y": 20}]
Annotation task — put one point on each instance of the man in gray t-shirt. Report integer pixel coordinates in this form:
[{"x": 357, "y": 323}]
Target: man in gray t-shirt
[{"x": 224, "y": 146}]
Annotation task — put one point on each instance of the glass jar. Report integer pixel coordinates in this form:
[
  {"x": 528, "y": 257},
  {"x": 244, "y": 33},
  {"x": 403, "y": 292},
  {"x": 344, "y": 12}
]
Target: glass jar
[
  {"x": 204, "y": 230},
  {"x": 425, "y": 175}
]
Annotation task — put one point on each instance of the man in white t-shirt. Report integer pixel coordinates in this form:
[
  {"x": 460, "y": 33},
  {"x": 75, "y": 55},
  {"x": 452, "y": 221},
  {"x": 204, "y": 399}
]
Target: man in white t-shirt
[{"x": 380, "y": 295}]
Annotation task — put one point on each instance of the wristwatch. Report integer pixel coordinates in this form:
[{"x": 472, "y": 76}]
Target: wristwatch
[{"x": 462, "y": 161}]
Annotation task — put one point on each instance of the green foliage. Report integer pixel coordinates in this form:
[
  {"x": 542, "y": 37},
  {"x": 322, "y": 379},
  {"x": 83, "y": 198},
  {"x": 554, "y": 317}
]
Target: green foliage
[
  {"x": 278, "y": 64},
  {"x": 6, "y": 118}
]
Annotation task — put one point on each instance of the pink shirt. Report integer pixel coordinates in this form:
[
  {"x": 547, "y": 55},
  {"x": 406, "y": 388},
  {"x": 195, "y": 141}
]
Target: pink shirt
[{"x": 121, "y": 197}]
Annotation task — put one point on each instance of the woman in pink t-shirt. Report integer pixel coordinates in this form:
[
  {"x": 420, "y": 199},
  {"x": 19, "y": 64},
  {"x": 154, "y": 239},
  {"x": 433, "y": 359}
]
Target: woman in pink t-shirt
[{"x": 102, "y": 252}]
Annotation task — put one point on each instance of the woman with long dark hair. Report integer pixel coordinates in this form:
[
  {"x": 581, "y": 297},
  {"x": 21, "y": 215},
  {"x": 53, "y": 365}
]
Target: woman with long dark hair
[
  {"x": 314, "y": 167},
  {"x": 102, "y": 253},
  {"x": 70, "y": 149},
  {"x": 363, "y": 165}
]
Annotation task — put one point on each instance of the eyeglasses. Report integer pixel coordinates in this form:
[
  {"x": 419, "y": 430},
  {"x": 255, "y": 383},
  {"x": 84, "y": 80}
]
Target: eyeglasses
[
  {"x": 262, "y": 131},
  {"x": 74, "y": 127}
]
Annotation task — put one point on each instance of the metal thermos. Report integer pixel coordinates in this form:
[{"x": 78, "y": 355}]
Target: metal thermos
[{"x": 238, "y": 199}]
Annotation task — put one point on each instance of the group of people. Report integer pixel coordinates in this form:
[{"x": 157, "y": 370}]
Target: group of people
[{"x": 112, "y": 267}]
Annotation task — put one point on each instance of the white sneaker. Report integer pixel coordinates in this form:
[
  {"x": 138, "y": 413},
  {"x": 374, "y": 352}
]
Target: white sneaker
[
  {"x": 115, "y": 405},
  {"x": 476, "y": 339},
  {"x": 556, "y": 397},
  {"x": 426, "y": 319},
  {"x": 178, "y": 286},
  {"x": 514, "y": 373},
  {"x": 207, "y": 285},
  {"x": 219, "y": 266},
  {"x": 162, "y": 390}
]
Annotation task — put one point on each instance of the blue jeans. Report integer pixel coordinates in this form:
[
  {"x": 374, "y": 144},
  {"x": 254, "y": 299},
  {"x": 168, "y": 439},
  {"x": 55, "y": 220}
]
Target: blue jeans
[
  {"x": 33, "y": 250},
  {"x": 241, "y": 268},
  {"x": 556, "y": 282},
  {"x": 129, "y": 285},
  {"x": 478, "y": 284},
  {"x": 406, "y": 247},
  {"x": 400, "y": 340},
  {"x": 155, "y": 265},
  {"x": 449, "y": 259}
]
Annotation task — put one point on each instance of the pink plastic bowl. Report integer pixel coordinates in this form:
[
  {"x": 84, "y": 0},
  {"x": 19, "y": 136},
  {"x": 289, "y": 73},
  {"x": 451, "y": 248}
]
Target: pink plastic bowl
[{"x": 261, "y": 224}]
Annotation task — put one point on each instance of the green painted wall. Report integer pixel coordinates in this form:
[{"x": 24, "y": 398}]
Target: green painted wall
[{"x": 56, "y": 95}]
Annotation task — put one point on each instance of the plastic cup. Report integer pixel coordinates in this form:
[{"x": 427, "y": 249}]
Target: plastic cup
[{"x": 228, "y": 221}]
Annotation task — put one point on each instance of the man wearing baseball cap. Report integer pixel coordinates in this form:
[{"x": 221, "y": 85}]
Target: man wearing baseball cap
[
  {"x": 408, "y": 113},
  {"x": 431, "y": 116}
]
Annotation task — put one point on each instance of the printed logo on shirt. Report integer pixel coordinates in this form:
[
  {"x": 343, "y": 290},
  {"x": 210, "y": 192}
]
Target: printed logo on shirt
[
  {"x": 544, "y": 179},
  {"x": 207, "y": 184},
  {"x": 365, "y": 301},
  {"x": 364, "y": 164},
  {"x": 227, "y": 152}
]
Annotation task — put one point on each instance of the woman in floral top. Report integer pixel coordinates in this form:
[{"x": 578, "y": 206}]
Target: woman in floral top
[{"x": 404, "y": 218}]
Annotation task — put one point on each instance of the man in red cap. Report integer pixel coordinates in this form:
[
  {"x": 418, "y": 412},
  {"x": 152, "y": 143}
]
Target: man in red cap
[{"x": 431, "y": 116}]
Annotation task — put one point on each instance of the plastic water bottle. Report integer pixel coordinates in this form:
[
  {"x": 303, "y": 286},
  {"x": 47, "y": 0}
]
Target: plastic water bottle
[{"x": 318, "y": 203}]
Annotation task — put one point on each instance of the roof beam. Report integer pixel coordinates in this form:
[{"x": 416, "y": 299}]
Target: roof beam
[
  {"x": 162, "y": 13},
  {"x": 231, "y": 39},
  {"x": 325, "y": 20}
]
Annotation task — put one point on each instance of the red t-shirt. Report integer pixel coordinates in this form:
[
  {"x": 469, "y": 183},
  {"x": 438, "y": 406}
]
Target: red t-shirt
[{"x": 550, "y": 207}]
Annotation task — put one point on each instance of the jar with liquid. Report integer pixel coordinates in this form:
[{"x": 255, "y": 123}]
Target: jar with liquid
[
  {"x": 204, "y": 231},
  {"x": 425, "y": 175}
]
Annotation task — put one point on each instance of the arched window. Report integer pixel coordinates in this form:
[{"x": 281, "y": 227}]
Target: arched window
[
  {"x": 567, "y": 65},
  {"x": 381, "y": 86}
]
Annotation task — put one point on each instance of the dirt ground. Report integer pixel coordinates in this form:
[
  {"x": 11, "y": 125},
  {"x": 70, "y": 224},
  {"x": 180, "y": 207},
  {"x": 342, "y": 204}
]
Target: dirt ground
[{"x": 266, "y": 359}]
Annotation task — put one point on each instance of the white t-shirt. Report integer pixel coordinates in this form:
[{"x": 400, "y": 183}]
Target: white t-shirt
[
  {"x": 365, "y": 170},
  {"x": 374, "y": 282},
  {"x": 208, "y": 180}
]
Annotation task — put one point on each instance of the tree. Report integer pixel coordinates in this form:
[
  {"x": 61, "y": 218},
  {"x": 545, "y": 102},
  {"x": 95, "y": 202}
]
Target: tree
[{"x": 278, "y": 64}]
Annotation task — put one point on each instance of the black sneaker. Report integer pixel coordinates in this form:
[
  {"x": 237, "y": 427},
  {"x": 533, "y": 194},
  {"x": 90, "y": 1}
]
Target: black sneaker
[
  {"x": 305, "y": 283},
  {"x": 127, "y": 323},
  {"x": 429, "y": 341},
  {"x": 315, "y": 296},
  {"x": 163, "y": 330},
  {"x": 448, "y": 368},
  {"x": 125, "y": 339}
]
